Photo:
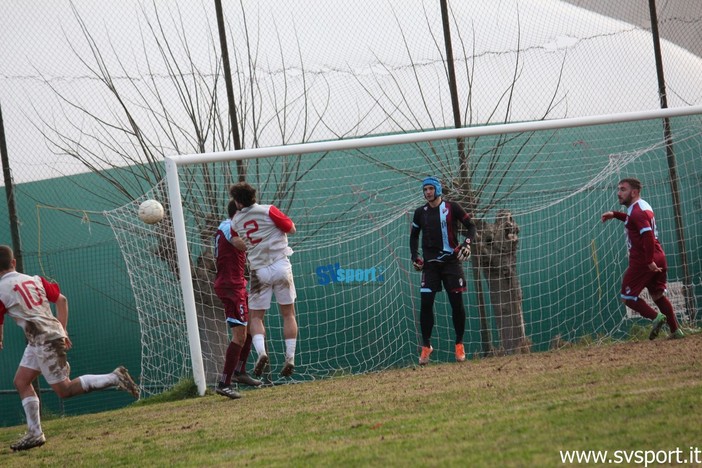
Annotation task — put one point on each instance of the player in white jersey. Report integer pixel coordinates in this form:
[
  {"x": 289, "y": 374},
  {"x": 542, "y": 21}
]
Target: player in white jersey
[
  {"x": 265, "y": 230},
  {"x": 27, "y": 300}
]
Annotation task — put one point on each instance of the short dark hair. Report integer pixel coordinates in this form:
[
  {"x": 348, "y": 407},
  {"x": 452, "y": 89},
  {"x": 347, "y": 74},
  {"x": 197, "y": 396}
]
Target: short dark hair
[
  {"x": 231, "y": 208},
  {"x": 635, "y": 184},
  {"x": 243, "y": 193},
  {"x": 6, "y": 257}
]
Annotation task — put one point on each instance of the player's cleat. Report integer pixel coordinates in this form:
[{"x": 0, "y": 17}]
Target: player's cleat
[
  {"x": 29, "y": 441},
  {"x": 125, "y": 382},
  {"x": 424, "y": 357},
  {"x": 260, "y": 365},
  {"x": 289, "y": 367},
  {"x": 676, "y": 335},
  {"x": 227, "y": 391},
  {"x": 245, "y": 379},
  {"x": 658, "y": 323},
  {"x": 460, "y": 353}
]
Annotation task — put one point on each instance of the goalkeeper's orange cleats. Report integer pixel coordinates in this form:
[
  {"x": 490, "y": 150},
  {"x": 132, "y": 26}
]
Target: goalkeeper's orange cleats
[
  {"x": 460, "y": 353},
  {"x": 424, "y": 357}
]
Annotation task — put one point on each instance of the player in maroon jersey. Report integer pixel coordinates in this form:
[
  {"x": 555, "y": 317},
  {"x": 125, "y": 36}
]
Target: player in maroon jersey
[
  {"x": 437, "y": 222},
  {"x": 647, "y": 263},
  {"x": 230, "y": 287},
  {"x": 27, "y": 300}
]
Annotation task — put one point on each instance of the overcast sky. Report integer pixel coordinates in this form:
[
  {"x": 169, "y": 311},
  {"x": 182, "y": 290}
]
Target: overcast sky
[{"x": 351, "y": 59}]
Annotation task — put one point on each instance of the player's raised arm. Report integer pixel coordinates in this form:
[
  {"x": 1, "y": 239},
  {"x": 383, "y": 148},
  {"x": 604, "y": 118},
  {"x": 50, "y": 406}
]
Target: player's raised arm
[{"x": 607, "y": 215}]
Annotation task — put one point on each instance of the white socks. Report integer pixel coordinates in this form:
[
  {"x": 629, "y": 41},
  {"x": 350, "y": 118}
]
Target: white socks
[
  {"x": 290, "y": 345},
  {"x": 31, "y": 411},
  {"x": 97, "y": 382},
  {"x": 259, "y": 343}
]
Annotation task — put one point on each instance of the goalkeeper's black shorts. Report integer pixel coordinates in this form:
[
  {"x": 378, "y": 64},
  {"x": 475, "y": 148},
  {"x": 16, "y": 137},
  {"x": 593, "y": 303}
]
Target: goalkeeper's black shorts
[{"x": 447, "y": 274}]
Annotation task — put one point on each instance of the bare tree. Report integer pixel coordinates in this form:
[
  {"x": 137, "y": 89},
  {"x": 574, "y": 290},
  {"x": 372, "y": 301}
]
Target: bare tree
[
  {"x": 481, "y": 192},
  {"x": 155, "y": 114}
]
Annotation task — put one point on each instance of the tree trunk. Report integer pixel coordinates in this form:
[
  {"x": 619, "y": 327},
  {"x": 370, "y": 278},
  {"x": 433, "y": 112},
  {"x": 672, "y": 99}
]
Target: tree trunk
[
  {"x": 497, "y": 256},
  {"x": 213, "y": 330}
]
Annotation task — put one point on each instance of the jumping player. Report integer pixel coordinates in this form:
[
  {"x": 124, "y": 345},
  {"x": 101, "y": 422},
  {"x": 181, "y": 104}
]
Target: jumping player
[{"x": 265, "y": 230}]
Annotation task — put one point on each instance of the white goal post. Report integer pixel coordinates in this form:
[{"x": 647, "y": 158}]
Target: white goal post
[{"x": 179, "y": 219}]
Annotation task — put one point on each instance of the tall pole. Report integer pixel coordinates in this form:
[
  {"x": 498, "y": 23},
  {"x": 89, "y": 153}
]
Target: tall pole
[
  {"x": 230, "y": 88},
  {"x": 12, "y": 214},
  {"x": 672, "y": 166},
  {"x": 464, "y": 175},
  {"x": 10, "y": 193}
]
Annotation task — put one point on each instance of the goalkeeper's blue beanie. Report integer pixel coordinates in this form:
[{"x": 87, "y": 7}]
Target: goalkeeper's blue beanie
[{"x": 435, "y": 182}]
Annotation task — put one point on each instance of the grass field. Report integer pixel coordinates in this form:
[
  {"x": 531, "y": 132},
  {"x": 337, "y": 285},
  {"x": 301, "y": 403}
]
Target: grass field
[{"x": 503, "y": 411}]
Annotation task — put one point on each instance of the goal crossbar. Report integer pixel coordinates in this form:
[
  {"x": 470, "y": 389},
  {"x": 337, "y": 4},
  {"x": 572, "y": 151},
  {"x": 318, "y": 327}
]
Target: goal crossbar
[
  {"x": 417, "y": 137},
  {"x": 173, "y": 162}
]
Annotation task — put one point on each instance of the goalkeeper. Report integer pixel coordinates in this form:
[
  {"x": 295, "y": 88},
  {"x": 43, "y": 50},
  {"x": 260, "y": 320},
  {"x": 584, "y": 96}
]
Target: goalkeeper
[{"x": 437, "y": 222}]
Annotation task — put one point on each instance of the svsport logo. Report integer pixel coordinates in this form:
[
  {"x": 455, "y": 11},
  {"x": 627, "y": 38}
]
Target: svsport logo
[{"x": 333, "y": 273}]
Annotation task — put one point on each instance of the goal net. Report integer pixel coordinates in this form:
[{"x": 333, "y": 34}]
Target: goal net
[{"x": 545, "y": 270}]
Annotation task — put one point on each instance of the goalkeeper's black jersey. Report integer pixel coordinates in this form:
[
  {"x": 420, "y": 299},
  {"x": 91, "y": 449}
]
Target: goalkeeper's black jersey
[{"x": 439, "y": 229}]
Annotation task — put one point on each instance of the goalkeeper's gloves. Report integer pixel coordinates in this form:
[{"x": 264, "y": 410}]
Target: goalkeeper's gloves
[
  {"x": 463, "y": 251},
  {"x": 418, "y": 264}
]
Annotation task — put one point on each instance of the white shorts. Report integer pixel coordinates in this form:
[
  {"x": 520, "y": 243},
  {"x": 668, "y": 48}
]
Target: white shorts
[
  {"x": 48, "y": 358},
  {"x": 275, "y": 278}
]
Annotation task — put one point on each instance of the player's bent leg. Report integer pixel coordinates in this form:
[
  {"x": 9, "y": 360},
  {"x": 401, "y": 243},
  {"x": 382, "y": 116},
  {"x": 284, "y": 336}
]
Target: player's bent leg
[
  {"x": 69, "y": 388},
  {"x": 23, "y": 381}
]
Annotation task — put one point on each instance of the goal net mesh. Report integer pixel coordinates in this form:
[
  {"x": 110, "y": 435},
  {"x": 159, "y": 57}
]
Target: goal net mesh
[{"x": 545, "y": 270}]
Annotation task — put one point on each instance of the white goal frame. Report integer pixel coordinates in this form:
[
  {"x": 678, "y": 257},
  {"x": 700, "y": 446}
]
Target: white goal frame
[{"x": 173, "y": 162}]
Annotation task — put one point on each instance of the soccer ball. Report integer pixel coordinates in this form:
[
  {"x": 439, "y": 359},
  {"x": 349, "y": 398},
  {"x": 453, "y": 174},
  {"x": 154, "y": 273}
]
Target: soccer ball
[{"x": 151, "y": 211}]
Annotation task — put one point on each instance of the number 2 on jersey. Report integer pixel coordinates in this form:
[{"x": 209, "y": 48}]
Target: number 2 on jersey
[{"x": 252, "y": 228}]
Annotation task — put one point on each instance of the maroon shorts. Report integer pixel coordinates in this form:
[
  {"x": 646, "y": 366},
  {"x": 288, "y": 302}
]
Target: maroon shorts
[
  {"x": 636, "y": 278},
  {"x": 236, "y": 305}
]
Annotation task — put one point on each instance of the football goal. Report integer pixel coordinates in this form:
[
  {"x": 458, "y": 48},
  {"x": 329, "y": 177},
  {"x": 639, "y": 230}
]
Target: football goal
[{"x": 545, "y": 270}]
